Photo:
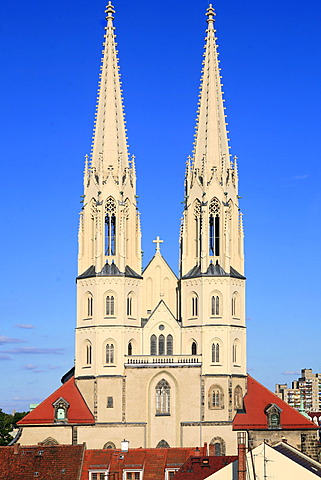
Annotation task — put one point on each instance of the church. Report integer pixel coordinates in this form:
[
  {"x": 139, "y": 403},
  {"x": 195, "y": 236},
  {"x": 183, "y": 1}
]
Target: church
[{"x": 160, "y": 360}]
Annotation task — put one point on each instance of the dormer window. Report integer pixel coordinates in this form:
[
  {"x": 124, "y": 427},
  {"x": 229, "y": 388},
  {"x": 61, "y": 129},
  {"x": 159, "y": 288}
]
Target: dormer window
[
  {"x": 273, "y": 413},
  {"x": 61, "y": 410}
]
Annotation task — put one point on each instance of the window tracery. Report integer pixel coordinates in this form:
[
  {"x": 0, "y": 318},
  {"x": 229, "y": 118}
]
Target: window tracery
[
  {"x": 215, "y": 305},
  {"x": 216, "y": 352},
  {"x": 110, "y": 227},
  {"x": 110, "y": 353},
  {"x": 163, "y": 398},
  {"x": 215, "y": 398},
  {"x": 110, "y": 305},
  {"x": 214, "y": 227}
]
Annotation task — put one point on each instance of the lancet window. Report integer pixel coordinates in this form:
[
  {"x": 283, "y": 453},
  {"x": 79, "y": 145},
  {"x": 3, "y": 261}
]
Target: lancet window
[
  {"x": 215, "y": 397},
  {"x": 169, "y": 345},
  {"x": 163, "y": 398},
  {"x": 110, "y": 227},
  {"x": 129, "y": 305},
  {"x": 194, "y": 348},
  {"x": 130, "y": 348},
  {"x": 215, "y": 305},
  {"x": 238, "y": 398},
  {"x": 153, "y": 345},
  {"x": 161, "y": 345},
  {"x": 194, "y": 305},
  {"x": 87, "y": 353},
  {"x": 110, "y": 305},
  {"x": 214, "y": 227},
  {"x": 110, "y": 353},
  {"x": 197, "y": 217},
  {"x": 216, "y": 352}
]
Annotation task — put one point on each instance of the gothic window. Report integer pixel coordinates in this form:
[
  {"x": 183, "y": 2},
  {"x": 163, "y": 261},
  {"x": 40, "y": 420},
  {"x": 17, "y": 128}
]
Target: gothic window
[
  {"x": 194, "y": 306},
  {"x": 110, "y": 227},
  {"x": 215, "y": 310},
  {"x": 197, "y": 217},
  {"x": 214, "y": 227},
  {"x": 110, "y": 352},
  {"x": 194, "y": 348},
  {"x": 235, "y": 305},
  {"x": 87, "y": 352},
  {"x": 88, "y": 305},
  {"x": 161, "y": 345},
  {"x": 236, "y": 352},
  {"x": 130, "y": 349},
  {"x": 215, "y": 398},
  {"x": 163, "y": 398},
  {"x": 163, "y": 444},
  {"x": 217, "y": 447},
  {"x": 215, "y": 352},
  {"x": 169, "y": 345},
  {"x": 110, "y": 305},
  {"x": 153, "y": 345},
  {"x": 238, "y": 398},
  {"x": 129, "y": 305},
  {"x": 109, "y": 445}
]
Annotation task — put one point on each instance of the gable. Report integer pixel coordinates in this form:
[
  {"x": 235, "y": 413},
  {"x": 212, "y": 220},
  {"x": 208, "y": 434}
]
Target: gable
[
  {"x": 257, "y": 401},
  {"x": 78, "y": 411}
]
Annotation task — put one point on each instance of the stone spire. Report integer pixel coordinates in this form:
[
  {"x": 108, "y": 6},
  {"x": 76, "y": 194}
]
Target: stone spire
[
  {"x": 211, "y": 149},
  {"x": 110, "y": 149}
]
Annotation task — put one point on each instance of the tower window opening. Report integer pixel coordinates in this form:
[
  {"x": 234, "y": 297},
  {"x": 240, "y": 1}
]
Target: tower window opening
[
  {"x": 88, "y": 354},
  {"x": 215, "y": 397},
  {"x": 197, "y": 217},
  {"x": 194, "y": 348},
  {"x": 214, "y": 228},
  {"x": 215, "y": 353},
  {"x": 194, "y": 306},
  {"x": 110, "y": 305},
  {"x": 215, "y": 305},
  {"x": 110, "y": 227},
  {"x": 163, "y": 398},
  {"x": 129, "y": 305},
  {"x": 110, "y": 350},
  {"x": 130, "y": 349}
]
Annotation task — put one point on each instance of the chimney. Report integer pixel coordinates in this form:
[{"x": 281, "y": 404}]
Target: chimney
[
  {"x": 241, "y": 448},
  {"x": 16, "y": 447}
]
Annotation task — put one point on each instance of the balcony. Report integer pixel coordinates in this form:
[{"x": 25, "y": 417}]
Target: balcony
[{"x": 152, "y": 361}]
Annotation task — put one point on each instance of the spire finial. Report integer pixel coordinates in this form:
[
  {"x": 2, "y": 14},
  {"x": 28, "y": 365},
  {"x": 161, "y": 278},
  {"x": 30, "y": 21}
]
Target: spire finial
[
  {"x": 110, "y": 11},
  {"x": 210, "y": 13}
]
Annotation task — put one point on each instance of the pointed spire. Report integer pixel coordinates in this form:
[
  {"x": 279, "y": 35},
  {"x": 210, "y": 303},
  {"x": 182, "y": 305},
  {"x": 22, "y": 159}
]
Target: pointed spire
[
  {"x": 109, "y": 139},
  {"x": 211, "y": 143}
]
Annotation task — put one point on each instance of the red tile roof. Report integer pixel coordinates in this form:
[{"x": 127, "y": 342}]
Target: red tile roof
[
  {"x": 153, "y": 461},
  {"x": 256, "y": 400},
  {"x": 198, "y": 468},
  {"x": 78, "y": 411},
  {"x": 59, "y": 462}
]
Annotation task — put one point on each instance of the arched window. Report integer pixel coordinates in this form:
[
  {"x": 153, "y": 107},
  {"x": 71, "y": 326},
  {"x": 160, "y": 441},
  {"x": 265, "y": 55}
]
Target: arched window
[
  {"x": 163, "y": 398},
  {"x": 161, "y": 345},
  {"x": 109, "y": 445},
  {"x": 235, "y": 305},
  {"x": 236, "y": 352},
  {"x": 194, "y": 305},
  {"x": 129, "y": 305},
  {"x": 169, "y": 345},
  {"x": 153, "y": 345},
  {"x": 110, "y": 227},
  {"x": 197, "y": 217},
  {"x": 215, "y": 310},
  {"x": 110, "y": 305},
  {"x": 194, "y": 348},
  {"x": 110, "y": 352},
  {"x": 130, "y": 348},
  {"x": 87, "y": 353},
  {"x": 162, "y": 444},
  {"x": 214, "y": 228},
  {"x": 215, "y": 352},
  {"x": 217, "y": 447},
  {"x": 238, "y": 398},
  {"x": 215, "y": 398},
  {"x": 90, "y": 304}
]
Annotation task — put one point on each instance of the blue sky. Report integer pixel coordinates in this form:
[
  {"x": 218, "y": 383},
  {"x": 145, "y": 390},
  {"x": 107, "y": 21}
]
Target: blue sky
[{"x": 50, "y": 56}]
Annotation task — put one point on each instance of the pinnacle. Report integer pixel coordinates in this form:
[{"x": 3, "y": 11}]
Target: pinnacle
[{"x": 110, "y": 11}]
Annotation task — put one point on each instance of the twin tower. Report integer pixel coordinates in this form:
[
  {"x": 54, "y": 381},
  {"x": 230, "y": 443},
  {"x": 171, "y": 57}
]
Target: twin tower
[{"x": 161, "y": 359}]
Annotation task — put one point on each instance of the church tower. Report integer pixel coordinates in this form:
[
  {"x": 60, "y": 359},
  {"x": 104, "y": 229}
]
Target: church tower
[{"x": 160, "y": 359}]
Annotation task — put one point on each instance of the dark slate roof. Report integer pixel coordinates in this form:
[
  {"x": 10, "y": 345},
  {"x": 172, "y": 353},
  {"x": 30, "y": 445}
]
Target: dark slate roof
[
  {"x": 214, "y": 270},
  {"x": 299, "y": 458},
  {"x": 109, "y": 270},
  {"x": 43, "y": 462}
]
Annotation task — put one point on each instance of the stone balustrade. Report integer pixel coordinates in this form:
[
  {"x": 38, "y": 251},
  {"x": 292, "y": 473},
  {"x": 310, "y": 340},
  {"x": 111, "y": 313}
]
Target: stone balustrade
[{"x": 141, "y": 361}]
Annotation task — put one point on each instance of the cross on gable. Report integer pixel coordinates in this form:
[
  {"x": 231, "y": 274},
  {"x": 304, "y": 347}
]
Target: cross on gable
[{"x": 158, "y": 241}]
